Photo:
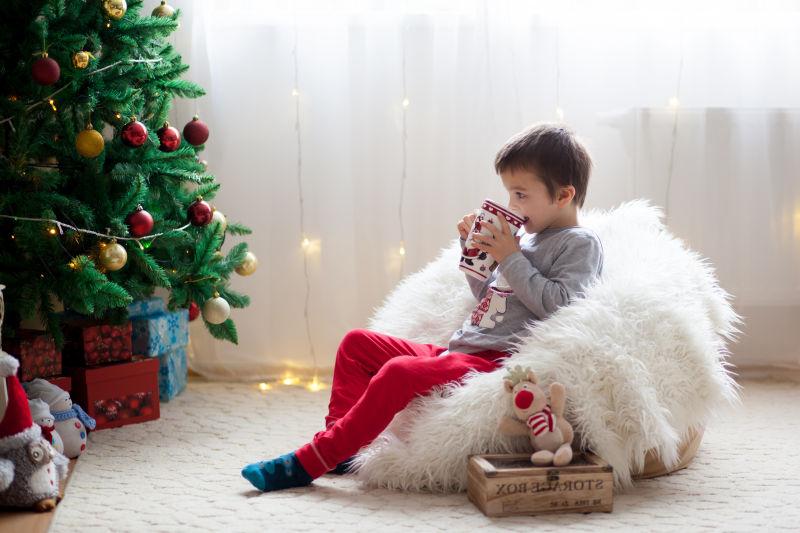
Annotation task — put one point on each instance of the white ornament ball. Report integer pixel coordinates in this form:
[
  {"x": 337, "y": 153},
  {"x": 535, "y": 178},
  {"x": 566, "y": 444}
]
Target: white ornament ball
[
  {"x": 216, "y": 310},
  {"x": 219, "y": 217}
]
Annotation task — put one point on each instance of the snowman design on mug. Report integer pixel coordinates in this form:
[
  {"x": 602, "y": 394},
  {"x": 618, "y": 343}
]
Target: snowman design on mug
[{"x": 489, "y": 312}]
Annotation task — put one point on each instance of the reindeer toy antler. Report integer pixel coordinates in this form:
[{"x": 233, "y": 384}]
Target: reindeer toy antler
[{"x": 550, "y": 433}]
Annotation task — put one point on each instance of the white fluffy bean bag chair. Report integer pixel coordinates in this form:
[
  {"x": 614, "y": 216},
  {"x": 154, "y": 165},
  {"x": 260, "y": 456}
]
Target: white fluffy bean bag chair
[{"x": 642, "y": 357}]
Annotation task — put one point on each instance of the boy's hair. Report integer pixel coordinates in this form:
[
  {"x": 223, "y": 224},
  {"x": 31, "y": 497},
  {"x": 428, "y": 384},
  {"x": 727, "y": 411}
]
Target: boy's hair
[{"x": 554, "y": 153}]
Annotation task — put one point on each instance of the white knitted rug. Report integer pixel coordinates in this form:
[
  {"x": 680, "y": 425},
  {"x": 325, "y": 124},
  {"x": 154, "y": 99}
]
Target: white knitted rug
[{"x": 181, "y": 473}]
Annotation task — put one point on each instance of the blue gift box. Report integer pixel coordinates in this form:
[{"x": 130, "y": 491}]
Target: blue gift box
[
  {"x": 172, "y": 373},
  {"x": 149, "y": 306},
  {"x": 156, "y": 334}
]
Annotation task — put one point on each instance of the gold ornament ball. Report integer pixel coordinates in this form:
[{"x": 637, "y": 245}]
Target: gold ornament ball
[
  {"x": 216, "y": 310},
  {"x": 115, "y": 9},
  {"x": 164, "y": 10},
  {"x": 80, "y": 60},
  {"x": 217, "y": 216},
  {"x": 89, "y": 143},
  {"x": 113, "y": 256},
  {"x": 248, "y": 265}
]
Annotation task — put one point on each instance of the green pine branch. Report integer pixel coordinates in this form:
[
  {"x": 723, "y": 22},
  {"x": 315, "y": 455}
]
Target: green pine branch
[{"x": 42, "y": 175}]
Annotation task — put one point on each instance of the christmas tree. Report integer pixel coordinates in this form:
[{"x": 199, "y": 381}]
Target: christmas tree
[{"x": 101, "y": 202}]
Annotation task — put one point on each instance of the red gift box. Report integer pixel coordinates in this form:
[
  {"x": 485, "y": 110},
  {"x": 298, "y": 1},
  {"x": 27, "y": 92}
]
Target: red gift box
[
  {"x": 88, "y": 343},
  {"x": 62, "y": 382},
  {"x": 36, "y": 352},
  {"x": 119, "y": 393}
]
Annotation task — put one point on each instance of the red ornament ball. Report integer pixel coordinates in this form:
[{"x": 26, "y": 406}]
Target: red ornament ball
[
  {"x": 169, "y": 137},
  {"x": 45, "y": 70},
  {"x": 194, "y": 311},
  {"x": 200, "y": 213},
  {"x": 140, "y": 222},
  {"x": 134, "y": 133},
  {"x": 195, "y": 131}
]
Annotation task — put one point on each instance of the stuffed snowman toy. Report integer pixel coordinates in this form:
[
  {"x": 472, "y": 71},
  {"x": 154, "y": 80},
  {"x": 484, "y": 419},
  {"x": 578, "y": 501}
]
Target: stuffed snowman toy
[
  {"x": 30, "y": 469},
  {"x": 70, "y": 420},
  {"x": 40, "y": 412}
]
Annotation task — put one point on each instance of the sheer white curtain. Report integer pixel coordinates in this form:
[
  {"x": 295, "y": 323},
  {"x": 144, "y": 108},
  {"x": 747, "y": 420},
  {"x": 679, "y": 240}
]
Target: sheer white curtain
[{"x": 386, "y": 117}]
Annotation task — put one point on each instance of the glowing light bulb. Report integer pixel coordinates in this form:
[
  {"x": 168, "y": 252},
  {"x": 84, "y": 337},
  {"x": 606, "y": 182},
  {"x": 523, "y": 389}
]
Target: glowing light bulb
[
  {"x": 52, "y": 231},
  {"x": 559, "y": 113},
  {"x": 315, "y": 385},
  {"x": 52, "y": 104},
  {"x": 295, "y": 92},
  {"x": 405, "y": 102},
  {"x": 402, "y": 249},
  {"x": 674, "y": 103},
  {"x": 289, "y": 380},
  {"x": 263, "y": 387},
  {"x": 306, "y": 242}
]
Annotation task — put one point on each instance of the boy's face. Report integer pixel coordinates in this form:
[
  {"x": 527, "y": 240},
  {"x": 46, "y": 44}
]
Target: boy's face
[{"x": 528, "y": 197}]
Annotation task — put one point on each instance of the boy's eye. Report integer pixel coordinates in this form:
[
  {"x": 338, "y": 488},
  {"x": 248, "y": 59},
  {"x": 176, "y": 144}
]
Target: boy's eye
[{"x": 520, "y": 195}]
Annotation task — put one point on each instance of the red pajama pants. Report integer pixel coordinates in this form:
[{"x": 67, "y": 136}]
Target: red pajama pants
[{"x": 374, "y": 378}]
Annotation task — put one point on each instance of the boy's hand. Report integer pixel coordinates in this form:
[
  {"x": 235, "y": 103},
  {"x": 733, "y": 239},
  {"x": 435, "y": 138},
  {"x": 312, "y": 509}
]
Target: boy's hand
[
  {"x": 501, "y": 244},
  {"x": 465, "y": 224}
]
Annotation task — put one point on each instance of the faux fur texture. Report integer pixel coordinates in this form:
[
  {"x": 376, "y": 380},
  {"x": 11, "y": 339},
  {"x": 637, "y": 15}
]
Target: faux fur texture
[
  {"x": 8, "y": 364},
  {"x": 643, "y": 358}
]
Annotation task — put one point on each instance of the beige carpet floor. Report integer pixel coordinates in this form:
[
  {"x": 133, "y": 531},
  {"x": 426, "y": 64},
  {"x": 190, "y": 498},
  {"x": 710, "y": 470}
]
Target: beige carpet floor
[{"x": 181, "y": 473}]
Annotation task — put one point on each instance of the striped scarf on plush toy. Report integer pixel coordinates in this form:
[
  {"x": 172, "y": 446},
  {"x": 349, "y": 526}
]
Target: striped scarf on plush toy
[{"x": 542, "y": 421}]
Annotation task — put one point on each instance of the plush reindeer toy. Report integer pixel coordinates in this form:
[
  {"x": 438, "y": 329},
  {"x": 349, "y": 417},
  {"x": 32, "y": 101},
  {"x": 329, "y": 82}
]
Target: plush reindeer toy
[{"x": 550, "y": 433}]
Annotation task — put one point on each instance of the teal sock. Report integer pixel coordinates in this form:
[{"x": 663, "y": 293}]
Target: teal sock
[{"x": 280, "y": 473}]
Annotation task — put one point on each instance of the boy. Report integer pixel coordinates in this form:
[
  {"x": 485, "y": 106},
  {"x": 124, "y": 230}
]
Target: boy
[{"x": 546, "y": 171}]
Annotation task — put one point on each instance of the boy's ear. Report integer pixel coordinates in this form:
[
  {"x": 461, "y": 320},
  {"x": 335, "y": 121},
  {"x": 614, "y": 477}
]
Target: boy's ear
[{"x": 565, "y": 195}]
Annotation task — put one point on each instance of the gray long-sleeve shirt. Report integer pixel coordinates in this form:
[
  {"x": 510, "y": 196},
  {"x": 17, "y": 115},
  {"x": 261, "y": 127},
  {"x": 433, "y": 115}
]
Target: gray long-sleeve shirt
[{"x": 550, "y": 271}]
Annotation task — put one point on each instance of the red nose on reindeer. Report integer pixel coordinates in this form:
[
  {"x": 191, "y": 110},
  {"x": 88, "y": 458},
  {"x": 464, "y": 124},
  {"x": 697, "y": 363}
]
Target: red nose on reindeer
[{"x": 523, "y": 399}]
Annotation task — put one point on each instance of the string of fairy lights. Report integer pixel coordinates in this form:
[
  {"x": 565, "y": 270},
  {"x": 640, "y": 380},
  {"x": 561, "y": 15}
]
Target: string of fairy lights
[
  {"x": 674, "y": 105},
  {"x": 306, "y": 244},
  {"x": 559, "y": 109},
  {"x": 404, "y": 141},
  {"x": 49, "y": 99},
  {"x": 56, "y": 226}
]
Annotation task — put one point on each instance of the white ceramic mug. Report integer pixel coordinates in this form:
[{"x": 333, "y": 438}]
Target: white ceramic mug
[{"x": 475, "y": 262}]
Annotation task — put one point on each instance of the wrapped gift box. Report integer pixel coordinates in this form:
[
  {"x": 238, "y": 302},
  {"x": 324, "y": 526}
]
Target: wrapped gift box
[
  {"x": 62, "y": 382},
  {"x": 149, "y": 306},
  {"x": 172, "y": 373},
  {"x": 160, "y": 333},
  {"x": 119, "y": 393},
  {"x": 36, "y": 352},
  {"x": 90, "y": 343}
]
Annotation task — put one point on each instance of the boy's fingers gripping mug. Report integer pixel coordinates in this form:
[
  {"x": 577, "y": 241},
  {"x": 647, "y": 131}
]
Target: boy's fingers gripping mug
[{"x": 477, "y": 263}]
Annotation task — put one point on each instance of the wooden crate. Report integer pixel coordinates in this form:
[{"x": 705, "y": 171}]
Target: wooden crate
[{"x": 508, "y": 484}]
